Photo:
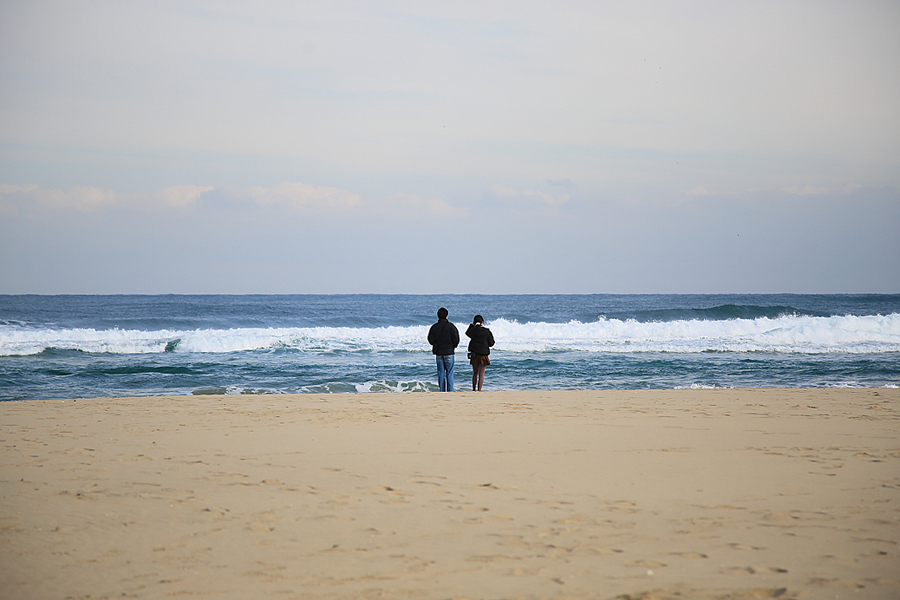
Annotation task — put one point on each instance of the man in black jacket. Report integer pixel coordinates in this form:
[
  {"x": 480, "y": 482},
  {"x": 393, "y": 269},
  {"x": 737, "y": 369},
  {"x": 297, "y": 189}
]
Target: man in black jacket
[{"x": 444, "y": 338}]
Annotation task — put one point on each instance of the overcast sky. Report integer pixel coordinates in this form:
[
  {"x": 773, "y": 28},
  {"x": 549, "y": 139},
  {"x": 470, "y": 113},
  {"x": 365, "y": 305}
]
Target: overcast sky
[{"x": 449, "y": 147}]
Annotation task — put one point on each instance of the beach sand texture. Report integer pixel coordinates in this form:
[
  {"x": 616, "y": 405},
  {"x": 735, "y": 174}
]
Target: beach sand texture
[{"x": 689, "y": 494}]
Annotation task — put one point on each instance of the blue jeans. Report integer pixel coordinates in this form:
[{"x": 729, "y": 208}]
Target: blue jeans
[{"x": 445, "y": 372}]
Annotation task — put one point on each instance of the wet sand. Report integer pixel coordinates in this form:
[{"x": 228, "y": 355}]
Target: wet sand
[{"x": 687, "y": 494}]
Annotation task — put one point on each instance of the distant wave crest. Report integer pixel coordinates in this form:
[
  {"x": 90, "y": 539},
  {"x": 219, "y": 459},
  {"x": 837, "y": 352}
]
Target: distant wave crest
[
  {"x": 786, "y": 333},
  {"x": 721, "y": 313}
]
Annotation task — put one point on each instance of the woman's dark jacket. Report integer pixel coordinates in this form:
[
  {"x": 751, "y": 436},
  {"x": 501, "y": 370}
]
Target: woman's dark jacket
[{"x": 482, "y": 340}]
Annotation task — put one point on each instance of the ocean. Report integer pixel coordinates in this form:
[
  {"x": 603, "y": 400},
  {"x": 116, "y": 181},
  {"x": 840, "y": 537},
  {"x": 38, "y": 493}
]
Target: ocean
[{"x": 110, "y": 346}]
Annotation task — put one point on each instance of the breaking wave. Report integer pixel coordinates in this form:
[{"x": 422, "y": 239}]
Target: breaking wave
[{"x": 787, "y": 333}]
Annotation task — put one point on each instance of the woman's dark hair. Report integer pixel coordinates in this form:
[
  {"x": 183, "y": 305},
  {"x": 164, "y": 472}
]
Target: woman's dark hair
[
  {"x": 478, "y": 319},
  {"x": 442, "y": 313}
]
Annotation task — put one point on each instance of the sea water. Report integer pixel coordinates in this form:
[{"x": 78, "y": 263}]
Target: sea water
[{"x": 102, "y": 346}]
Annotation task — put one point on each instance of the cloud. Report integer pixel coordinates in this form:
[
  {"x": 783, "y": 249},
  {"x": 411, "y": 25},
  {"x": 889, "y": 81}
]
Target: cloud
[
  {"x": 34, "y": 198},
  {"x": 295, "y": 196},
  {"x": 16, "y": 198},
  {"x": 796, "y": 190},
  {"x": 300, "y": 196},
  {"x": 805, "y": 190},
  {"x": 526, "y": 197},
  {"x": 9, "y": 189},
  {"x": 411, "y": 205},
  {"x": 182, "y": 196}
]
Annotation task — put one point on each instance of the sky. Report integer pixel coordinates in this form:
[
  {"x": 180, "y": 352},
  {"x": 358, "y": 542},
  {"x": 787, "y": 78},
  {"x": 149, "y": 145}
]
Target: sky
[{"x": 449, "y": 147}]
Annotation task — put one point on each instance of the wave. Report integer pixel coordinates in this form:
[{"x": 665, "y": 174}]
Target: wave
[
  {"x": 724, "y": 312},
  {"x": 333, "y": 387},
  {"x": 786, "y": 334},
  {"x": 17, "y": 341}
]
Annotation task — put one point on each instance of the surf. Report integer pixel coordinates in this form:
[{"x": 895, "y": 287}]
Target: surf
[{"x": 782, "y": 334}]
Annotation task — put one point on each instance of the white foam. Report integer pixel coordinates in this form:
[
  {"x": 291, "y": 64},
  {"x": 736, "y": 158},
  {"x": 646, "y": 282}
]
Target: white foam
[
  {"x": 846, "y": 334},
  {"x": 788, "y": 334},
  {"x": 386, "y": 386},
  {"x": 700, "y": 386}
]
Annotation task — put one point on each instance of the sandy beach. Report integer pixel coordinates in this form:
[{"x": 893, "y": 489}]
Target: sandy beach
[{"x": 775, "y": 493}]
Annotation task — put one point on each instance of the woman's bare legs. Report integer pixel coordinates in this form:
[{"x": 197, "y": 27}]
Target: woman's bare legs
[{"x": 477, "y": 377}]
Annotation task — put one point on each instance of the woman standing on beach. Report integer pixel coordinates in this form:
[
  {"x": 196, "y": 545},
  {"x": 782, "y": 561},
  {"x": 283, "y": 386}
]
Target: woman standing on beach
[{"x": 479, "y": 349}]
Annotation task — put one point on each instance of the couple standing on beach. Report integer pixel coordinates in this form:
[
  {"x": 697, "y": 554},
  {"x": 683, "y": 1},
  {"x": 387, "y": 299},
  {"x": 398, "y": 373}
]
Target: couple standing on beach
[{"x": 444, "y": 338}]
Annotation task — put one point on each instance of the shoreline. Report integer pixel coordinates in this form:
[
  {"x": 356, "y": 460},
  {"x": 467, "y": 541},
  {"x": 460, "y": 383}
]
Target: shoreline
[
  {"x": 203, "y": 393},
  {"x": 690, "y": 493}
]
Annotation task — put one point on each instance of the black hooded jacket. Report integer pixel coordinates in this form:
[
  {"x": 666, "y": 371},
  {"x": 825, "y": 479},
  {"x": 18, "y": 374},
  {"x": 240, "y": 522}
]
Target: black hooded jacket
[
  {"x": 482, "y": 340},
  {"x": 443, "y": 337}
]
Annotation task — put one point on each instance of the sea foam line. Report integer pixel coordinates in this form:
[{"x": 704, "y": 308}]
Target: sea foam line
[{"x": 792, "y": 334}]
